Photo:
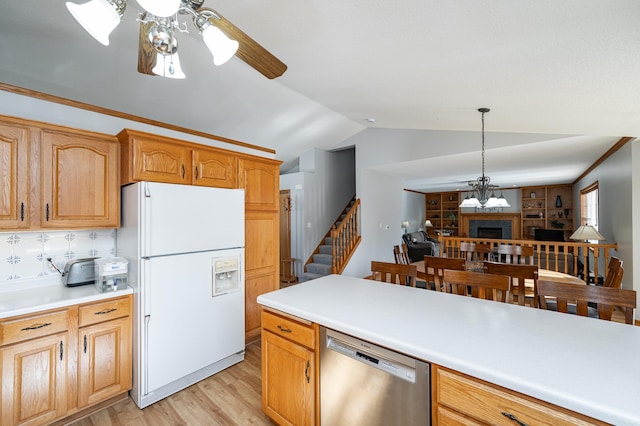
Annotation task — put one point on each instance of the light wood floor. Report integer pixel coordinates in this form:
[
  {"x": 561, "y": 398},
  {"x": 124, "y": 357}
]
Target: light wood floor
[{"x": 231, "y": 397}]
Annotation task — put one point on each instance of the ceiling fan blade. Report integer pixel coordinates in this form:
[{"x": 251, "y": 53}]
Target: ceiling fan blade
[
  {"x": 250, "y": 51},
  {"x": 146, "y": 52}
]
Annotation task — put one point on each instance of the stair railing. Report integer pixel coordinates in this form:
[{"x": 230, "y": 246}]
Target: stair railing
[{"x": 345, "y": 238}]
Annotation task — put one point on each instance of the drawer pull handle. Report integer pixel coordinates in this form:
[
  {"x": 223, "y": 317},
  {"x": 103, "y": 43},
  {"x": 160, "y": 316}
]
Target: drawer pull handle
[
  {"x": 61, "y": 350},
  {"x": 306, "y": 371},
  {"x": 183, "y": 171},
  {"x": 284, "y": 330},
  {"x": 197, "y": 173},
  {"x": 47, "y": 212},
  {"x": 514, "y": 418},
  {"x": 108, "y": 311},
  {"x": 35, "y": 327},
  {"x": 85, "y": 343},
  {"x": 22, "y": 212}
]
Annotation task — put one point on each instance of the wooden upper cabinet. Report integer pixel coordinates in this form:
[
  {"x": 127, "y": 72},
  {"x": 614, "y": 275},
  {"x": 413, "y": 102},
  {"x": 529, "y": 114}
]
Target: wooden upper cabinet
[
  {"x": 147, "y": 157},
  {"x": 214, "y": 168},
  {"x": 14, "y": 176},
  {"x": 79, "y": 176},
  {"x": 154, "y": 158},
  {"x": 261, "y": 182}
]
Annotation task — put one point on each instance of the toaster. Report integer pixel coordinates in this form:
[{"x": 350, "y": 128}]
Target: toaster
[{"x": 79, "y": 272}]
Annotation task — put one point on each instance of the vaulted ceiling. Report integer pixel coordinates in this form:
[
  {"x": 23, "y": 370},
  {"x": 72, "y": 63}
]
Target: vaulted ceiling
[{"x": 562, "y": 68}]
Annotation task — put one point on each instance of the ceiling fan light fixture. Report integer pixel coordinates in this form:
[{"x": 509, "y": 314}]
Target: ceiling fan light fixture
[
  {"x": 161, "y": 8},
  {"x": 98, "y": 17},
  {"x": 168, "y": 66},
  {"x": 221, "y": 47}
]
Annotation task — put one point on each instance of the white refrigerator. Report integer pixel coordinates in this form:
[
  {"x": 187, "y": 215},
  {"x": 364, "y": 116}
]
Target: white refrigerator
[{"x": 185, "y": 247}]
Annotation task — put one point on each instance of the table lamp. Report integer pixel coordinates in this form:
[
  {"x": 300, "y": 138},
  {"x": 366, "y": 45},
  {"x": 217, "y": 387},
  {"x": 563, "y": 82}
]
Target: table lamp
[
  {"x": 427, "y": 224},
  {"x": 405, "y": 225},
  {"x": 587, "y": 233}
]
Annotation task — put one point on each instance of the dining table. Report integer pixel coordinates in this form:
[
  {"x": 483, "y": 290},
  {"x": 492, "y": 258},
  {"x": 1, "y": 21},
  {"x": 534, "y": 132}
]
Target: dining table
[{"x": 543, "y": 274}]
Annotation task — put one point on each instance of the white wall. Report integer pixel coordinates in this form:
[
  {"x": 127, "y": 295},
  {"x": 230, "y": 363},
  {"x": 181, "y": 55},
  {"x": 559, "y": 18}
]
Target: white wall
[
  {"x": 381, "y": 198},
  {"x": 319, "y": 193},
  {"x": 618, "y": 208}
]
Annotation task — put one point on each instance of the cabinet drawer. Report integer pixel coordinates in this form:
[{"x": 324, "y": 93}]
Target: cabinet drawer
[
  {"x": 104, "y": 311},
  {"x": 32, "y": 326},
  {"x": 494, "y": 405},
  {"x": 289, "y": 329}
]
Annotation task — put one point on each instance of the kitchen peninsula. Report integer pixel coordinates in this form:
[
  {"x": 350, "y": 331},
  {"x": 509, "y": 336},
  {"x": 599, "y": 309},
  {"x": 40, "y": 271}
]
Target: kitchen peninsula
[{"x": 555, "y": 361}]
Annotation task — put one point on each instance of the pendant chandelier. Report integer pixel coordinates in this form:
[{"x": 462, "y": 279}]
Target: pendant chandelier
[{"x": 482, "y": 191}]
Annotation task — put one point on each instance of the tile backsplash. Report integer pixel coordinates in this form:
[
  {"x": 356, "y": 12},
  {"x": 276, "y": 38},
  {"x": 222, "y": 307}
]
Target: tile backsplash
[{"x": 23, "y": 255}]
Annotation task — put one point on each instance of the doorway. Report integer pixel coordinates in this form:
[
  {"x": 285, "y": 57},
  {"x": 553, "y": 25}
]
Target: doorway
[{"x": 287, "y": 271}]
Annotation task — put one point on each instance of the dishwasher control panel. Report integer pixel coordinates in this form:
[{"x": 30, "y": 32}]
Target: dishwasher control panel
[{"x": 383, "y": 359}]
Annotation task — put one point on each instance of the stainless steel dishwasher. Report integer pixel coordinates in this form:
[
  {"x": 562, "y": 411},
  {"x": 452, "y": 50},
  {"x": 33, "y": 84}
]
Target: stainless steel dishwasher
[{"x": 365, "y": 384}]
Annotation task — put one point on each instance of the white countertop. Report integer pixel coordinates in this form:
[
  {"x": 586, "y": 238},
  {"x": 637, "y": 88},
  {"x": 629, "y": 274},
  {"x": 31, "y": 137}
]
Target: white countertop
[
  {"x": 50, "y": 295},
  {"x": 583, "y": 364}
]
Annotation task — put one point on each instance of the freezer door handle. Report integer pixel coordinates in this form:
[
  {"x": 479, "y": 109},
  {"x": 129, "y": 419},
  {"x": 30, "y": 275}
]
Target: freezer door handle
[{"x": 147, "y": 318}]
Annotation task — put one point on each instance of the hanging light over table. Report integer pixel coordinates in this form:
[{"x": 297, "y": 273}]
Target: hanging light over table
[{"x": 482, "y": 191}]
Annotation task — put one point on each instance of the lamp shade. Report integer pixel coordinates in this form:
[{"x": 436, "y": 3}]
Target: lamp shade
[
  {"x": 161, "y": 8},
  {"x": 168, "y": 66},
  {"x": 470, "y": 202},
  {"x": 587, "y": 232},
  {"x": 97, "y": 17},
  {"x": 222, "y": 47},
  {"x": 428, "y": 224}
]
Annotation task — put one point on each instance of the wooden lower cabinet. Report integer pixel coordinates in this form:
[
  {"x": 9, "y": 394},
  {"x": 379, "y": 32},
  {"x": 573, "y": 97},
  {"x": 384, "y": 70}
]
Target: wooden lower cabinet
[
  {"x": 62, "y": 363},
  {"x": 462, "y": 400},
  {"x": 289, "y": 370},
  {"x": 104, "y": 368},
  {"x": 34, "y": 380}
]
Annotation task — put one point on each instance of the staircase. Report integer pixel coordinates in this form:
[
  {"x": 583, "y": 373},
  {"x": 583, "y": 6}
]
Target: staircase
[{"x": 335, "y": 249}]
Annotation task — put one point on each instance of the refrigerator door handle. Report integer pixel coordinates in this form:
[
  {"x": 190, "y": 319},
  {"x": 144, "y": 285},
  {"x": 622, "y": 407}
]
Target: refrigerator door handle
[{"x": 147, "y": 318}]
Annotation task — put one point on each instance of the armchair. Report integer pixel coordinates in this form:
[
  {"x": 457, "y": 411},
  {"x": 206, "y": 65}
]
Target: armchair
[{"x": 419, "y": 245}]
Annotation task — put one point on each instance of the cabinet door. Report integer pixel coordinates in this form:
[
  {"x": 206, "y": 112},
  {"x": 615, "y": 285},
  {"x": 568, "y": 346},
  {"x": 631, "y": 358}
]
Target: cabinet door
[
  {"x": 158, "y": 161},
  {"x": 214, "y": 168},
  {"x": 260, "y": 181},
  {"x": 288, "y": 381},
  {"x": 80, "y": 183},
  {"x": 33, "y": 381},
  {"x": 14, "y": 172},
  {"x": 262, "y": 249},
  {"x": 104, "y": 361}
]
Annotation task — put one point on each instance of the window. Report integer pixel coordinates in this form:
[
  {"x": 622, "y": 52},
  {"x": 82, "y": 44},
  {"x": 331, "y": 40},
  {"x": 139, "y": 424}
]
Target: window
[{"x": 589, "y": 205}]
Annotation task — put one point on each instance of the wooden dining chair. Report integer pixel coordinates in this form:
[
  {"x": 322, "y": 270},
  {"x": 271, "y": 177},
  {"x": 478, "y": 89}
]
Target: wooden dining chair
[
  {"x": 515, "y": 254},
  {"x": 575, "y": 299},
  {"x": 615, "y": 272},
  {"x": 434, "y": 270},
  {"x": 401, "y": 254},
  {"x": 518, "y": 291},
  {"x": 483, "y": 286},
  {"x": 394, "y": 273},
  {"x": 474, "y": 252}
]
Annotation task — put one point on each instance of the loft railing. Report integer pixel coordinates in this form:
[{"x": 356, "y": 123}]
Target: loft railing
[
  {"x": 579, "y": 259},
  {"x": 345, "y": 238}
]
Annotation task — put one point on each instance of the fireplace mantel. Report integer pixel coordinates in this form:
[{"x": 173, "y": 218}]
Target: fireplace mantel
[{"x": 513, "y": 217}]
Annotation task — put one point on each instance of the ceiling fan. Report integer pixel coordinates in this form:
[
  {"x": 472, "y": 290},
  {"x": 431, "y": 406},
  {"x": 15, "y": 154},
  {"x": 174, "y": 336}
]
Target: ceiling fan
[{"x": 158, "y": 45}]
